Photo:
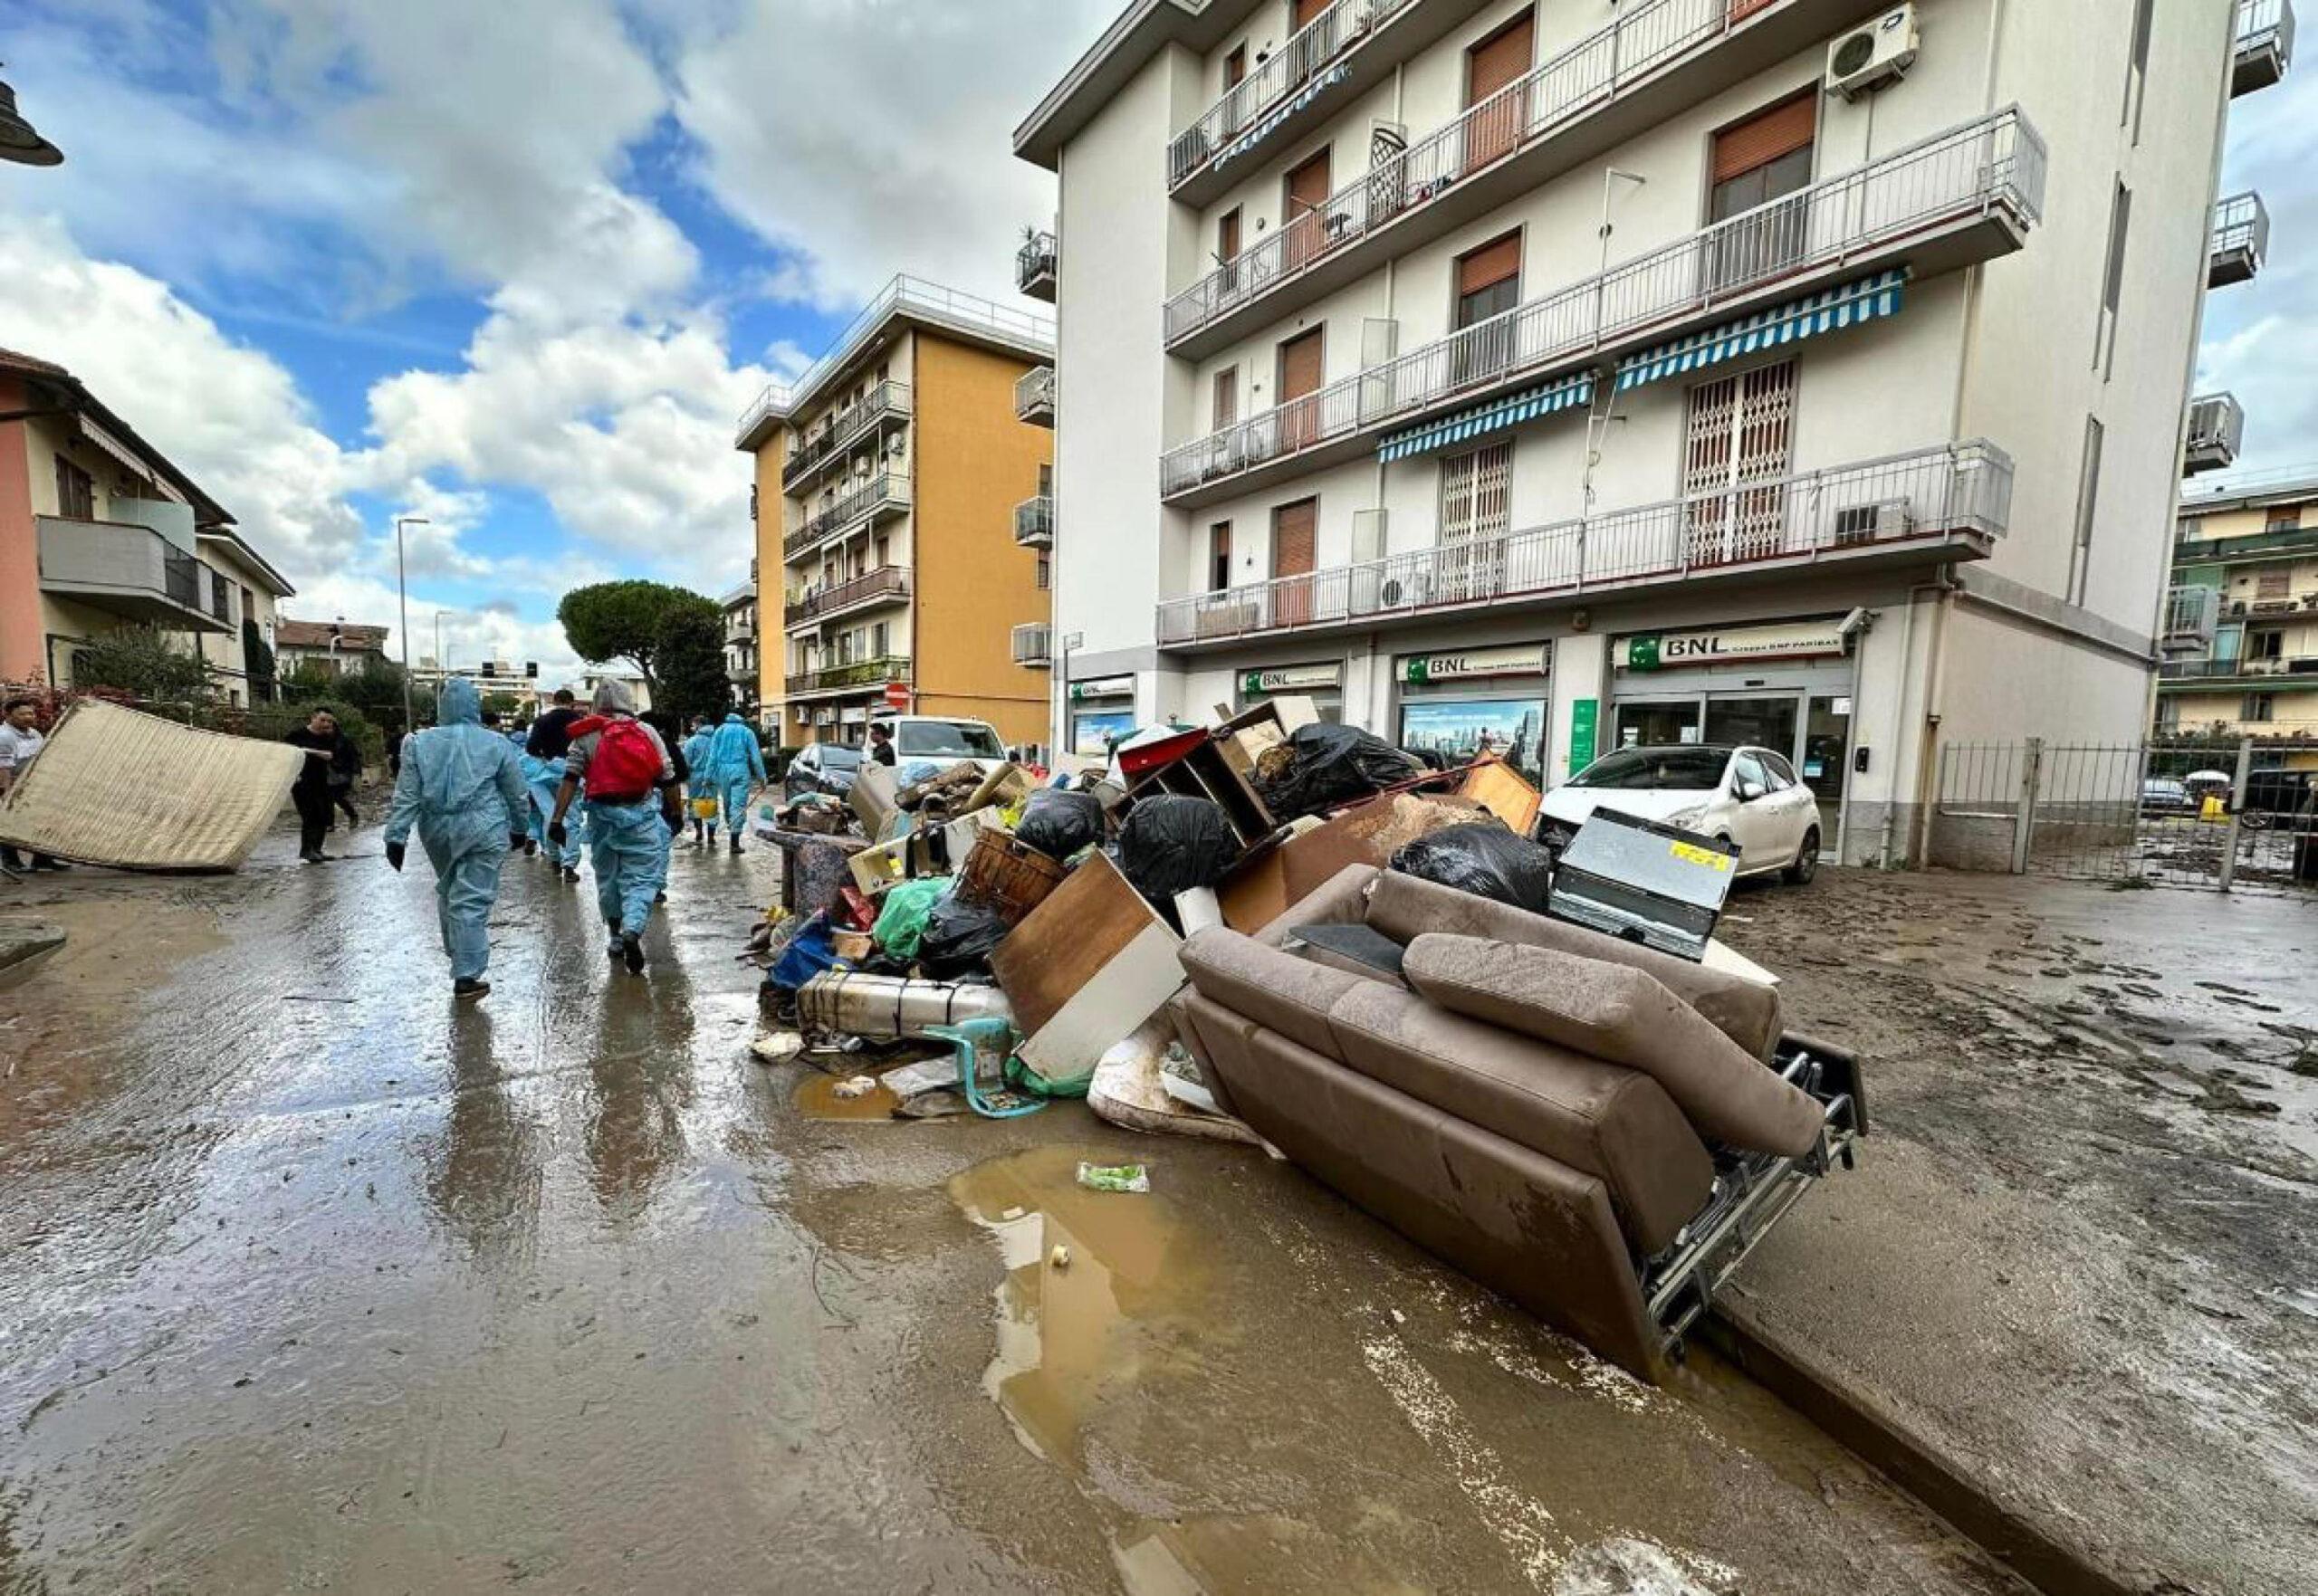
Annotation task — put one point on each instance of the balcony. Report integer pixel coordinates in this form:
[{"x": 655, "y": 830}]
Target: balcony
[
  {"x": 880, "y": 498},
  {"x": 1965, "y": 195},
  {"x": 2263, "y": 672},
  {"x": 1036, "y": 267},
  {"x": 857, "y": 676},
  {"x": 1034, "y": 396},
  {"x": 2241, "y": 238},
  {"x": 2190, "y": 617},
  {"x": 1031, "y": 646},
  {"x": 1034, "y": 522},
  {"x": 1626, "y": 76},
  {"x": 129, "y": 570},
  {"x": 2217, "y": 429},
  {"x": 2265, "y": 47},
  {"x": 2252, "y": 546},
  {"x": 887, "y": 404},
  {"x": 1945, "y": 503},
  {"x": 888, "y": 584},
  {"x": 1328, "y": 63}
]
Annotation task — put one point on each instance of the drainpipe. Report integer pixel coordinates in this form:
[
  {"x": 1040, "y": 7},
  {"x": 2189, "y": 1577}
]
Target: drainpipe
[
  {"x": 1936, "y": 697},
  {"x": 1858, "y": 624},
  {"x": 1899, "y": 729}
]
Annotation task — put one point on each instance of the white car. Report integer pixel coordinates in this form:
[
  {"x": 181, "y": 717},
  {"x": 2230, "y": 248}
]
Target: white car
[
  {"x": 1748, "y": 796},
  {"x": 943, "y": 740}
]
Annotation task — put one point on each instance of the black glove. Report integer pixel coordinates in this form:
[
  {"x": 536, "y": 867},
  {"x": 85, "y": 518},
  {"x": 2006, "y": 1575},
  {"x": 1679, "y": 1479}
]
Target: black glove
[
  {"x": 555, "y": 833},
  {"x": 516, "y": 839},
  {"x": 675, "y": 822},
  {"x": 394, "y": 854}
]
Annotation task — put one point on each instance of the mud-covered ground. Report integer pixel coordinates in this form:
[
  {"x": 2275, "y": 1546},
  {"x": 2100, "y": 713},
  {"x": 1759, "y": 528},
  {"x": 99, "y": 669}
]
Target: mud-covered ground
[{"x": 2082, "y": 1253}]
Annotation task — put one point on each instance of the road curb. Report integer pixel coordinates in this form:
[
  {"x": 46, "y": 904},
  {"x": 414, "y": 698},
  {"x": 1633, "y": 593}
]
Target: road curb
[
  {"x": 1858, "y": 1418},
  {"x": 24, "y": 943}
]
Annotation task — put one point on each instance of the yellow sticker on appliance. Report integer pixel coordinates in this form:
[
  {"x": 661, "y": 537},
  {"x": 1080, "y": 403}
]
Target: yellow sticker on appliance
[{"x": 1699, "y": 856}]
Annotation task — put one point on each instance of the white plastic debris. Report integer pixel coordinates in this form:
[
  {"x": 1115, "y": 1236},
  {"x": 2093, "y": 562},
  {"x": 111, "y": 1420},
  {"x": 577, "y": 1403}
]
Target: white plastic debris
[
  {"x": 777, "y": 1046},
  {"x": 858, "y": 1087}
]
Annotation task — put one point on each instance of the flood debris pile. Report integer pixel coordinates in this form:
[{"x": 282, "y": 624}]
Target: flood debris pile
[{"x": 1276, "y": 931}]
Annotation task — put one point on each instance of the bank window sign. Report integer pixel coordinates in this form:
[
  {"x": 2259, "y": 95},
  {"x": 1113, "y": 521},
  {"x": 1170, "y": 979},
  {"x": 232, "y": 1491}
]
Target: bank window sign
[
  {"x": 1670, "y": 651},
  {"x": 1419, "y": 670},
  {"x": 1289, "y": 679}
]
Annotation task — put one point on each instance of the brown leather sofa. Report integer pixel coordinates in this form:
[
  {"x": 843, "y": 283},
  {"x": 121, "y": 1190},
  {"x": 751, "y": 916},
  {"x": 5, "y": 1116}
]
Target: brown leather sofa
[{"x": 1598, "y": 1130}]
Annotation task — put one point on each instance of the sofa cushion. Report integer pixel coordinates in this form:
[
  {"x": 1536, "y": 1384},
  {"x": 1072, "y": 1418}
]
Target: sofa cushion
[
  {"x": 1600, "y": 1119},
  {"x": 1278, "y": 990},
  {"x": 1627, "y": 1017},
  {"x": 1404, "y": 908}
]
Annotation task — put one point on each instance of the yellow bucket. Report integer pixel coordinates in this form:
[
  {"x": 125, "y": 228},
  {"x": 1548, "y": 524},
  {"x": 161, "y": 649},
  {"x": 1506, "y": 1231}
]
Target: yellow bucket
[{"x": 703, "y": 809}]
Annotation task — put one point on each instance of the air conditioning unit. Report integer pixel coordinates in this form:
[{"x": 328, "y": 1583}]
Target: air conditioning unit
[
  {"x": 1884, "y": 521},
  {"x": 1405, "y": 592},
  {"x": 1867, "y": 58}
]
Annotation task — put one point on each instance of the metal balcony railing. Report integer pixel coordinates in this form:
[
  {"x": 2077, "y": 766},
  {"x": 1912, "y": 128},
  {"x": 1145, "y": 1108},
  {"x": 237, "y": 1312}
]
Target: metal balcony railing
[
  {"x": 889, "y": 401},
  {"x": 2217, "y": 429},
  {"x": 1035, "y": 264},
  {"x": 1034, "y": 521},
  {"x": 2194, "y": 550},
  {"x": 1926, "y": 496},
  {"x": 2265, "y": 44},
  {"x": 2242, "y": 670},
  {"x": 1030, "y": 645},
  {"x": 1304, "y": 64},
  {"x": 886, "y": 582},
  {"x": 855, "y": 673},
  {"x": 2241, "y": 239},
  {"x": 876, "y": 496},
  {"x": 1995, "y": 163},
  {"x": 1590, "y": 74},
  {"x": 2190, "y": 615},
  {"x": 1034, "y": 395}
]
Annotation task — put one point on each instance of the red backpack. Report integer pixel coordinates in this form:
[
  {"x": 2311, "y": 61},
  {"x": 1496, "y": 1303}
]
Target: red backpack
[{"x": 627, "y": 763}]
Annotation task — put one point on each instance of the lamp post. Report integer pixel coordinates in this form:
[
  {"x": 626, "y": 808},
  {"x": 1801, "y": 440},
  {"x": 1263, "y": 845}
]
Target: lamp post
[{"x": 402, "y": 596}]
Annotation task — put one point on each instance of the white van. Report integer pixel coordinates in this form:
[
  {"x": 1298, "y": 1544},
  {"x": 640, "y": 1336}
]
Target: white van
[{"x": 942, "y": 739}]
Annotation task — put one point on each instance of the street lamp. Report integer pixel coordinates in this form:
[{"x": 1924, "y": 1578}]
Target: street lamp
[
  {"x": 18, "y": 140},
  {"x": 402, "y": 594}
]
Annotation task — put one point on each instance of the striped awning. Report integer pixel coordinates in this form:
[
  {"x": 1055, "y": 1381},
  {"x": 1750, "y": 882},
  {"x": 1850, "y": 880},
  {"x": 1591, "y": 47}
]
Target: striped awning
[
  {"x": 1827, "y": 311},
  {"x": 1510, "y": 410},
  {"x": 1281, "y": 113}
]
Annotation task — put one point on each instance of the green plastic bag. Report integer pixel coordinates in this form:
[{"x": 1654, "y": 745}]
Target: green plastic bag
[{"x": 901, "y": 922}]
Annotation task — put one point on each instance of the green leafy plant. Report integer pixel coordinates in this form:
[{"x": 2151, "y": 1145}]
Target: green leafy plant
[
  {"x": 143, "y": 661},
  {"x": 690, "y": 652}
]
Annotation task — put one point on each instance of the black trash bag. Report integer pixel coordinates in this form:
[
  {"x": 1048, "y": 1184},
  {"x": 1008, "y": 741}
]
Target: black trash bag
[
  {"x": 959, "y": 939},
  {"x": 1057, "y": 823},
  {"x": 1328, "y": 765},
  {"x": 1171, "y": 844},
  {"x": 1484, "y": 859}
]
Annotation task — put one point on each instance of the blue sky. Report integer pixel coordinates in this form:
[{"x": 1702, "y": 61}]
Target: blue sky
[{"x": 516, "y": 267}]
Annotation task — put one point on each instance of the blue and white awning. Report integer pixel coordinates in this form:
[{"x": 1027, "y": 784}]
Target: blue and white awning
[
  {"x": 1835, "y": 308},
  {"x": 1510, "y": 410},
  {"x": 1282, "y": 112}
]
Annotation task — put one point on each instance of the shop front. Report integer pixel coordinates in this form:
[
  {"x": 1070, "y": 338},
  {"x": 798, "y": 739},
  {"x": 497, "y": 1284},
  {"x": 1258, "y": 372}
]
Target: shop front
[
  {"x": 1101, "y": 710},
  {"x": 1456, "y": 705},
  {"x": 1322, "y": 684},
  {"x": 1786, "y": 686}
]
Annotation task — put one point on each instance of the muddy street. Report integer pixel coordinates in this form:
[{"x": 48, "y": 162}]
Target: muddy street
[{"x": 317, "y": 1281}]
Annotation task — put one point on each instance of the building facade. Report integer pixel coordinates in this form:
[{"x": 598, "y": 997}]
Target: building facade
[
  {"x": 99, "y": 529},
  {"x": 1809, "y": 373},
  {"x": 741, "y": 663},
  {"x": 333, "y": 648},
  {"x": 902, "y": 500},
  {"x": 2241, "y": 630}
]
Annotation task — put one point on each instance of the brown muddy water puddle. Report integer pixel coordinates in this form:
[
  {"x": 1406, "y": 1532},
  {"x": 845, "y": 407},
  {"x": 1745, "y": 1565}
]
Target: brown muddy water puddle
[{"x": 817, "y": 1098}]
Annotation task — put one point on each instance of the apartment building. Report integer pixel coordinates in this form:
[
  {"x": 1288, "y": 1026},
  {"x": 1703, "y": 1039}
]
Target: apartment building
[
  {"x": 903, "y": 500},
  {"x": 333, "y": 648},
  {"x": 742, "y": 668},
  {"x": 2241, "y": 628},
  {"x": 100, "y": 530},
  {"x": 1806, "y": 373}
]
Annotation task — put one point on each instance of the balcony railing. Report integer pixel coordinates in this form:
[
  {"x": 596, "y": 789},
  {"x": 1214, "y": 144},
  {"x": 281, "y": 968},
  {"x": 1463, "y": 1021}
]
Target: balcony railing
[
  {"x": 888, "y": 582},
  {"x": 2242, "y": 670},
  {"x": 1304, "y": 66},
  {"x": 1994, "y": 164},
  {"x": 127, "y": 569},
  {"x": 2217, "y": 429},
  {"x": 2265, "y": 47},
  {"x": 2187, "y": 551},
  {"x": 2241, "y": 239},
  {"x": 1035, "y": 264},
  {"x": 1927, "y": 497},
  {"x": 1031, "y": 646},
  {"x": 879, "y": 496},
  {"x": 889, "y": 401},
  {"x": 2190, "y": 617},
  {"x": 1595, "y": 71},
  {"x": 1034, "y": 522},
  {"x": 856, "y": 674},
  {"x": 1034, "y": 396}
]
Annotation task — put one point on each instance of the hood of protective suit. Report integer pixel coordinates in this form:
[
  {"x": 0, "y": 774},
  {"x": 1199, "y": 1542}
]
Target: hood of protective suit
[
  {"x": 458, "y": 704},
  {"x": 613, "y": 698},
  {"x": 734, "y": 719}
]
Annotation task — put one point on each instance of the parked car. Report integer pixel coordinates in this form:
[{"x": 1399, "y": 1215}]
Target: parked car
[
  {"x": 1750, "y": 797},
  {"x": 822, "y": 766},
  {"x": 943, "y": 740},
  {"x": 2162, "y": 795}
]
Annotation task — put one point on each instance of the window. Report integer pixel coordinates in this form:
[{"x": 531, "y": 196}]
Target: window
[
  {"x": 1492, "y": 66},
  {"x": 1219, "y": 557},
  {"x": 1227, "y": 397},
  {"x": 1746, "y": 770},
  {"x": 1294, "y": 554},
  {"x": 1763, "y": 157},
  {"x": 1044, "y": 575},
  {"x": 2285, "y": 519},
  {"x": 2259, "y": 706},
  {"x": 221, "y": 602},
  {"x": 2278, "y": 584},
  {"x": 1303, "y": 206},
  {"x": 1235, "y": 67},
  {"x": 2264, "y": 645},
  {"x": 2088, "y": 494},
  {"x": 2112, "y": 282},
  {"x": 1302, "y": 364},
  {"x": 1475, "y": 514},
  {"x": 1737, "y": 436},
  {"x": 1489, "y": 284},
  {"x": 1782, "y": 774},
  {"x": 76, "y": 491},
  {"x": 1227, "y": 236},
  {"x": 877, "y": 641}
]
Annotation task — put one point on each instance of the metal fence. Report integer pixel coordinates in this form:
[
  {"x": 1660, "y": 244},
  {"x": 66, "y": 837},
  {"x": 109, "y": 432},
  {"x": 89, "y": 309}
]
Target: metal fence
[{"x": 2227, "y": 815}]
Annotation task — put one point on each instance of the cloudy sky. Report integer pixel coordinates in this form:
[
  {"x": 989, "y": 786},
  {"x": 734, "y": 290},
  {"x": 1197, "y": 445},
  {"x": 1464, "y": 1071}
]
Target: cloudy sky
[{"x": 516, "y": 267}]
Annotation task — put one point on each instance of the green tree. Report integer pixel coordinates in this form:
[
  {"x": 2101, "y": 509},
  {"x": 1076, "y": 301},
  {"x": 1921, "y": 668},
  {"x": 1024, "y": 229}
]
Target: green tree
[
  {"x": 690, "y": 652},
  {"x": 142, "y": 661},
  {"x": 257, "y": 663},
  {"x": 506, "y": 705},
  {"x": 623, "y": 620}
]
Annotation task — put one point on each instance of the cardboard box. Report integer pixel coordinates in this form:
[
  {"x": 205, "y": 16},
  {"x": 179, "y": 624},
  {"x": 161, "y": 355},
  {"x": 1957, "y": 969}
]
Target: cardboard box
[
  {"x": 907, "y": 857},
  {"x": 1263, "y": 888},
  {"x": 1085, "y": 968},
  {"x": 874, "y": 797}
]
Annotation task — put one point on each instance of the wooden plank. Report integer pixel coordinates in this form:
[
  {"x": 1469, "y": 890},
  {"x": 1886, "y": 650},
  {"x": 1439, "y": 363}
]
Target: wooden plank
[
  {"x": 1499, "y": 789},
  {"x": 1128, "y": 989},
  {"x": 1066, "y": 942}
]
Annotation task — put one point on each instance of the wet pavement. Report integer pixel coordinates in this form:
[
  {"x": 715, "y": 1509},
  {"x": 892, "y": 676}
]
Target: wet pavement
[{"x": 315, "y": 1281}]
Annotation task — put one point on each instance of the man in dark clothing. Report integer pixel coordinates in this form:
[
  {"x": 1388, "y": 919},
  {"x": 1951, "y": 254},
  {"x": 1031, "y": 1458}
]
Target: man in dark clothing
[
  {"x": 551, "y": 737},
  {"x": 333, "y": 761},
  {"x": 881, "y": 744}
]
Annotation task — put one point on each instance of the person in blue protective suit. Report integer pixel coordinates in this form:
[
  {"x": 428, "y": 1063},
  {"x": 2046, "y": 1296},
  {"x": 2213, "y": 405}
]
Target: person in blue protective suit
[
  {"x": 462, "y": 787},
  {"x": 702, "y": 793},
  {"x": 543, "y": 752},
  {"x": 735, "y": 770},
  {"x": 631, "y": 806}
]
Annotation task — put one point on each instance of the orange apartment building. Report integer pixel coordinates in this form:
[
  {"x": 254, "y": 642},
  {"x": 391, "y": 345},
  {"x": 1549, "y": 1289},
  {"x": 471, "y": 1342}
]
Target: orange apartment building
[{"x": 904, "y": 494}]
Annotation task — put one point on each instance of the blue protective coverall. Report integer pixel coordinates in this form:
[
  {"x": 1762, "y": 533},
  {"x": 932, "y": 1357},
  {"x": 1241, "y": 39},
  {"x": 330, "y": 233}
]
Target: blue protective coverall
[
  {"x": 462, "y": 786},
  {"x": 629, "y": 845},
  {"x": 735, "y": 763},
  {"x": 542, "y": 777},
  {"x": 697, "y": 748}
]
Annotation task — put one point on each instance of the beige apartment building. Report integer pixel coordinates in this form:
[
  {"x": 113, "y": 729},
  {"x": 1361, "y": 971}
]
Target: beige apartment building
[
  {"x": 902, "y": 499},
  {"x": 1810, "y": 374},
  {"x": 2242, "y": 623}
]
